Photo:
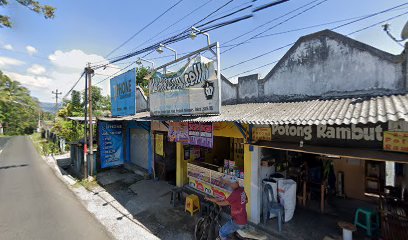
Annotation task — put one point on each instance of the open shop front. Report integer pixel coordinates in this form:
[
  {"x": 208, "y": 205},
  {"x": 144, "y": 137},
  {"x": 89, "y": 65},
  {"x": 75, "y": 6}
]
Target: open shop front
[
  {"x": 207, "y": 152},
  {"x": 334, "y": 168},
  {"x": 164, "y": 153}
]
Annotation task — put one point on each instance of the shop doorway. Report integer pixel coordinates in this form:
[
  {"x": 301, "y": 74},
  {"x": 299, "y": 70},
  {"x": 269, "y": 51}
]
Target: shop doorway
[
  {"x": 164, "y": 158},
  {"x": 139, "y": 140}
]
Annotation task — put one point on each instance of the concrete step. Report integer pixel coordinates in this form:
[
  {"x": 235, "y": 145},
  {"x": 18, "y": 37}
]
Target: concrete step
[{"x": 137, "y": 170}]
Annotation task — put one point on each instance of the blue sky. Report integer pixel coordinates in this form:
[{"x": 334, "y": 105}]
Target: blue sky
[{"x": 49, "y": 54}]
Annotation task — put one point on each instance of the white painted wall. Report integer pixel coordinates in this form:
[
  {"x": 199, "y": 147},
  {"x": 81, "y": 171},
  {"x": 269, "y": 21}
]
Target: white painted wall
[{"x": 319, "y": 67}]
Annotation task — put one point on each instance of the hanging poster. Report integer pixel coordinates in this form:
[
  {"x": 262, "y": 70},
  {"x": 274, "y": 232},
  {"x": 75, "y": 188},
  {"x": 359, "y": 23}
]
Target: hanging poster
[
  {"x": 396, "y": 141},
  {"x": 123, "y": 94},
  {"x": 159, "y": 141},
  {"x": 178, "y": 132},
  {"x": 200, "y": 134},
  {"x": 110, "y": 144},
  {"x": 194, "y": 89}
]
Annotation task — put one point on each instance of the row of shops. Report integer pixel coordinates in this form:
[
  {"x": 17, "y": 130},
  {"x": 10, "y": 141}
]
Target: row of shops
[
  {"x": 352, "y": 161},
  {"x": 194, "y": 133}
]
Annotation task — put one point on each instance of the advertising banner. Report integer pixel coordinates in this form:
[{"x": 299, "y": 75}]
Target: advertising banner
[
  {"x": 110, "y": 144},
  {"x": 396, "y": 141},
  {"x": 192, "y": 90},
  {"x": 178, "y": 132},
  {"x": 123, "y": 94},
  {"x": 200, "y": 134}
]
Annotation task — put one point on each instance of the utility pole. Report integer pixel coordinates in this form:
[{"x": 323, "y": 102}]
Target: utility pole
[
  {"x": 56, "y": 99},
  {"x": 90, "y": 71},
  {"x": 86, "y": 125}
]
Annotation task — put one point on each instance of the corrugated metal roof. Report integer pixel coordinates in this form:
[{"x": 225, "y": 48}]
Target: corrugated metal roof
[{"x": 338, "y": 111}]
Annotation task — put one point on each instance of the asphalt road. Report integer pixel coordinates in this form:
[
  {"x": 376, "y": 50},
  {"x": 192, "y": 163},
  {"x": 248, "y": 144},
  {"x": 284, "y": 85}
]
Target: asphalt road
[{"x": 35, "y": 204}]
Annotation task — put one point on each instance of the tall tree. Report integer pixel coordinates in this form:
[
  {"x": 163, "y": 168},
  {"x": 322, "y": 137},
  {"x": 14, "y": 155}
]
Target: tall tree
[
  {"x": 46, "y": 10},
  {"x": 18, "y": 110},
  {"x": 141, "y": 73}
]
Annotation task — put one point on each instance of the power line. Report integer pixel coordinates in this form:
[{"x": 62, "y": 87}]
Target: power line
[
  {"x": 171, "y": 25},
  {"x": 213, "y": 12},
  {"x": 254, "y": 69},
  {"x": 377, "y": 23},
  {"x": 342, "y": 25},
  {"x": 356, "y": 31},
  {"x": 181, "y": 36},
  {"x": 134, "y": 35},
  {"x": 304, "y": 28},
  {"x": 72, "y": 88},
  {"x": 110, "y": 76},
  {"x": 274, "y": 26},
  {"x": 188, "y": 29},
  {"x": 272, "y": 20}
]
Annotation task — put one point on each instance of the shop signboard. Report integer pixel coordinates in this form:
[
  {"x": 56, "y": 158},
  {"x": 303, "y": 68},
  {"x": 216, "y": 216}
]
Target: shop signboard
[
  {"x": 159, "y": 141},
  {"x": 178, "y": 132},
  {"x": 123, "y": 94},
  {"x": 354, "y": 135},
  {"x": 262, "y": 133},
  {"x": 396, "y": 141},
  {"x": 200, "y": 134},
  {"x": 192, "y": 90},
  {"x": 110, "y": 144}
]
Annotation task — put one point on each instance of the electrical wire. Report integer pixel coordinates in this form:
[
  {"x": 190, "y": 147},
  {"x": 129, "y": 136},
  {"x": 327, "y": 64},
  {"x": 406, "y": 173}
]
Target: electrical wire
[
  {"x": 270, "y": 21},
  {"x": 110, "y": 76},
  {"x": 171, "y": 25},
  {"x": 377, "y": 23},
  {"x": 143, "y": 28},
  {"x": 290, "y": 44},
  {"x": 72, "y": 88},
  {"x": 253, "y": 69},
  {"x": 276, "y": 25},
  {"x": 356, "y": 31},
  {"x": 213, "y": 12}
]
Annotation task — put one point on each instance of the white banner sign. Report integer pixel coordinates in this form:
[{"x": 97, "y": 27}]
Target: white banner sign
[{"x": 193, "y": 90}]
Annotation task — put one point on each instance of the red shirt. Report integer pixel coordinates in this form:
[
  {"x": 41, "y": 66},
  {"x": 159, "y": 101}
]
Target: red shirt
[{"x": 238, "y": 200}]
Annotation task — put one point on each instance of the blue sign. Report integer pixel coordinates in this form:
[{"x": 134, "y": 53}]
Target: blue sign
[
  {"x": 110, "y": 144},
  {"x": 123, "y": 94}
]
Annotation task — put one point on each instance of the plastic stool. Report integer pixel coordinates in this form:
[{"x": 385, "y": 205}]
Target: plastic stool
[
  {"x": 192, "y": 204},
  {"x": 176, "y": 196},
  {"x": 368, "y": 224}
]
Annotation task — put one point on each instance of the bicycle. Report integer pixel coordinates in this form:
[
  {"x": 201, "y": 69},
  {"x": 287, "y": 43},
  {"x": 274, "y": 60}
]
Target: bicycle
[{"x": 208, "y": 226}]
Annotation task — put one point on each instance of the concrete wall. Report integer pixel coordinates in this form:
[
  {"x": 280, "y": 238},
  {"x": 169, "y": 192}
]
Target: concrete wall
[
  {"x": 142, "y": 104},
  {"x": 324, "y": 65},
  {"x": 248, "y": 88},
  {"x": 229, "y": 91}
]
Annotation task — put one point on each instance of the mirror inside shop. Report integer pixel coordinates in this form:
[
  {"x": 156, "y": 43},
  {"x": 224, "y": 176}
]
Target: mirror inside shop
[{"x": 207, "y": 166}]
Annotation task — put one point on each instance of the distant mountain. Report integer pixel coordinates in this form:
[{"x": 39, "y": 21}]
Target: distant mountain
[{"x": 48, "y": 107}]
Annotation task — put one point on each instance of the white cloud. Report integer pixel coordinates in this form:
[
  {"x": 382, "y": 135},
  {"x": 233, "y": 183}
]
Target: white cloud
[
  {"x": 6, "y": 61},
  {"x": 8, "y": 47},
  {"x": 36, "y": 69},
  {"x": 30, "y": 80},
  {"x": 31, "y": 50},
  {"x": 74, "y": 59}
]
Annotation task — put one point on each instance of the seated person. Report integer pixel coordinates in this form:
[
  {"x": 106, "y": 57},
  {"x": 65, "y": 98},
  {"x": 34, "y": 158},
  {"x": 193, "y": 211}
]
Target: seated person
[{"x": 237, "y": 200}]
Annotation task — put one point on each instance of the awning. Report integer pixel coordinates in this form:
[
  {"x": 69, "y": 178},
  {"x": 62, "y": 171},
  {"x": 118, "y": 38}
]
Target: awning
[
  {"x": 81, "y": 119},
  {"x": 327, "y": 112},
  {"x": 358, "y": 153}
]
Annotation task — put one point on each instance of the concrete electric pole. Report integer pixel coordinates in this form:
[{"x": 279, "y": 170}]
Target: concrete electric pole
[
  {"x": 90, "y": 71},
  {"x": 56, "y": 99}
]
